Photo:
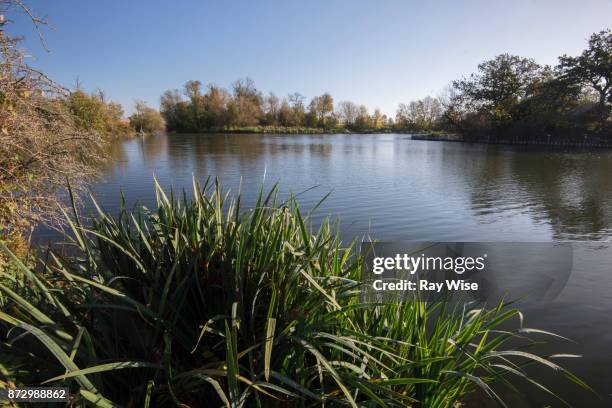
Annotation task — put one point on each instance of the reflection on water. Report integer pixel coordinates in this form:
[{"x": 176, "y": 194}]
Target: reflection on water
[
  {"x": 396, "y": 189},
  {"x": 390, "y": 186}
]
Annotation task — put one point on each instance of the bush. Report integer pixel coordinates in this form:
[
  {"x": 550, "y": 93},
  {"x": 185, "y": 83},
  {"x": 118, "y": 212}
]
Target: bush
[
  {"x": 202, "y": 301},
  {"x": 92, "y": 113}
]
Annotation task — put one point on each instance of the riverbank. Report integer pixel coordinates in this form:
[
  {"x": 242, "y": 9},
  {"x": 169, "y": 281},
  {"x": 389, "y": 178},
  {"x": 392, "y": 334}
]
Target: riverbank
[
  {"x": 517, "y": 142},
  {"x": 284, "y": 130}
]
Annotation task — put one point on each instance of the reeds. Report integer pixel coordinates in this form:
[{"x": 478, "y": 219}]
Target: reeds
[{"x": 199, "y": 303}]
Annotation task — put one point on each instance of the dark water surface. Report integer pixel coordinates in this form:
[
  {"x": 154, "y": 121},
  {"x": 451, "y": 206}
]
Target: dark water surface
[{"x": 393, "y": 188}]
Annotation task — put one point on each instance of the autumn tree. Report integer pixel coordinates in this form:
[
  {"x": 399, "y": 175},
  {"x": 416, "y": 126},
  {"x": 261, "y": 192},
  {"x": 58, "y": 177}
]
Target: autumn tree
[
  {"x": 93, "y": 113},
  {"x": 364, "y": 120},
  {"x": 296, "y": 102},
  {"x": 321, "y": 109},
  {"x": 42, "y": 146},
  {"x": 377, "y": 119},
  {"x": 271, "y": 110},
  {"x": 246, "y": 107},
  {"x": 215, "y": 104},
  {"x": 146, "y": 119},
  {"x": 348, "y": 112},
  {"x": 422, "y": 114}
]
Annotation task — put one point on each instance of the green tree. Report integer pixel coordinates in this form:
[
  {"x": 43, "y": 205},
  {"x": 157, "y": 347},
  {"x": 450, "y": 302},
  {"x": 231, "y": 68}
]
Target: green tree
[
  {"x": 592, "y": 68},
  {"x": 193, "y": 91},
  {"x": 169, "y": 108},
  {"x": 499, "y": 85}
]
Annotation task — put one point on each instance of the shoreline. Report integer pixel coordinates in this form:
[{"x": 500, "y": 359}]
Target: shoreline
[
  {"x": 543, "y": 143},
  {"x": 278, "y": 130},
  {"x": 419, "y": 136}
]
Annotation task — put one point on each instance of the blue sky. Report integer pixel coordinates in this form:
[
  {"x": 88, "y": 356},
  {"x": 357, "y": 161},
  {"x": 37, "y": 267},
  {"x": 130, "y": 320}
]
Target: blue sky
[{"x": 378, "y": 53}]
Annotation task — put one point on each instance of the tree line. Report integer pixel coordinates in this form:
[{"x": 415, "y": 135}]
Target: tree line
[
  {"x": 508, "y": 95},
  {"x": 512, "y": 96},
  {"x": 201, "y": 108}
]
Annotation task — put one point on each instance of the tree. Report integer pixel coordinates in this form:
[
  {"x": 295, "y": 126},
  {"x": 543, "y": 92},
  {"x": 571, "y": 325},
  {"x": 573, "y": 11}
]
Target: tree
[
  {"x": 296, "y": 101},
  {"x": 147, "y": 119},
  {"x": 285, "y": 115},
  {"x": 271, "y": 107},
  {"x": 377, "y": 119},
  {"x": 402, "y": 116},
  {"x": 193, "y": 91},
  {"x": 363, "y": 121},
  {"x": 592, "y": 68},
  {"x": 169, "y": 108},
  {"x": 93, "y": 114},
  {"x": 247, "y": 106},
  {"x": 454, "y": 109},
  {"x": 422, "y": 114},
  {"x": 215, "y": 104},
  {"x": 321, "y": 108},
  {"x": 499, "y": 84},
  {"x": 348, "y": 113}
]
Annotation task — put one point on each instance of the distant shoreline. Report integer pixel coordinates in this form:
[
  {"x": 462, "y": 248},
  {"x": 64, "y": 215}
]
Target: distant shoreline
[
  {"x": 548, "y": 142},
  {"x": 435, "y": 136},
  {"x": 280, "y": 130}
]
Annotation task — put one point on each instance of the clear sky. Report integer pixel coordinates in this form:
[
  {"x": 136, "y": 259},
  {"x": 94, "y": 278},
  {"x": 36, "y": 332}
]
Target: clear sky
[{"x": 375, "y": 52}]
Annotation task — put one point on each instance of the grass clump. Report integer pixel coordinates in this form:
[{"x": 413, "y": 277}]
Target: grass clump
[{"x": 199, "y": 303}]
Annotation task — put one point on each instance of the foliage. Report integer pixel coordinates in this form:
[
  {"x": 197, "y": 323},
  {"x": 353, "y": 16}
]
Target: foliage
[
  {"x": 199, "y": 300},
  {"x": 423, "y": 114},
  {"x": 514, "y": 97},
  {"x": 41, "y": 145},
  {"x": 147, "y": 119},
  {"x": 247, "y": 108},
  {"x": 592, "y": 68},
  {"x": 93, "y": 114}
]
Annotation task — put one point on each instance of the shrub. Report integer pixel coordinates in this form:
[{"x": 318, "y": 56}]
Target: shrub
[{"x": 93, "y": 114}]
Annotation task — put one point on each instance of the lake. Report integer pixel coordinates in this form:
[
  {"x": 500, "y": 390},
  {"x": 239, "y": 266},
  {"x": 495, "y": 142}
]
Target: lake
[{"x": 395, "y": 189}]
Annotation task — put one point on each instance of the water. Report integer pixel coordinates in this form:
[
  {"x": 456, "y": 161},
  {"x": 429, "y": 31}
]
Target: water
[{"x": 393, "y": 188}]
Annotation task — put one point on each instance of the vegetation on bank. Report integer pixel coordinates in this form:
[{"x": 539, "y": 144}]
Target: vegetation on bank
[
  {"x": 146, "y": 120},
  {"x": 199, "y": 300},
  {"x": 48, "y": 135},
  {"x": 508, "y": 96},
  {"x": 292, "y": 130},
  {"x": 511, "y": 96},
  {"x": 42, "y": 142},
  {"x": 94, "y": 114}
]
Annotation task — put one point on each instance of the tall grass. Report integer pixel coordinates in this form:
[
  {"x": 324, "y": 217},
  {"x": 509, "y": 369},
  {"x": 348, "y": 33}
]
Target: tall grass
[{"x": 199, "y": 303}]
